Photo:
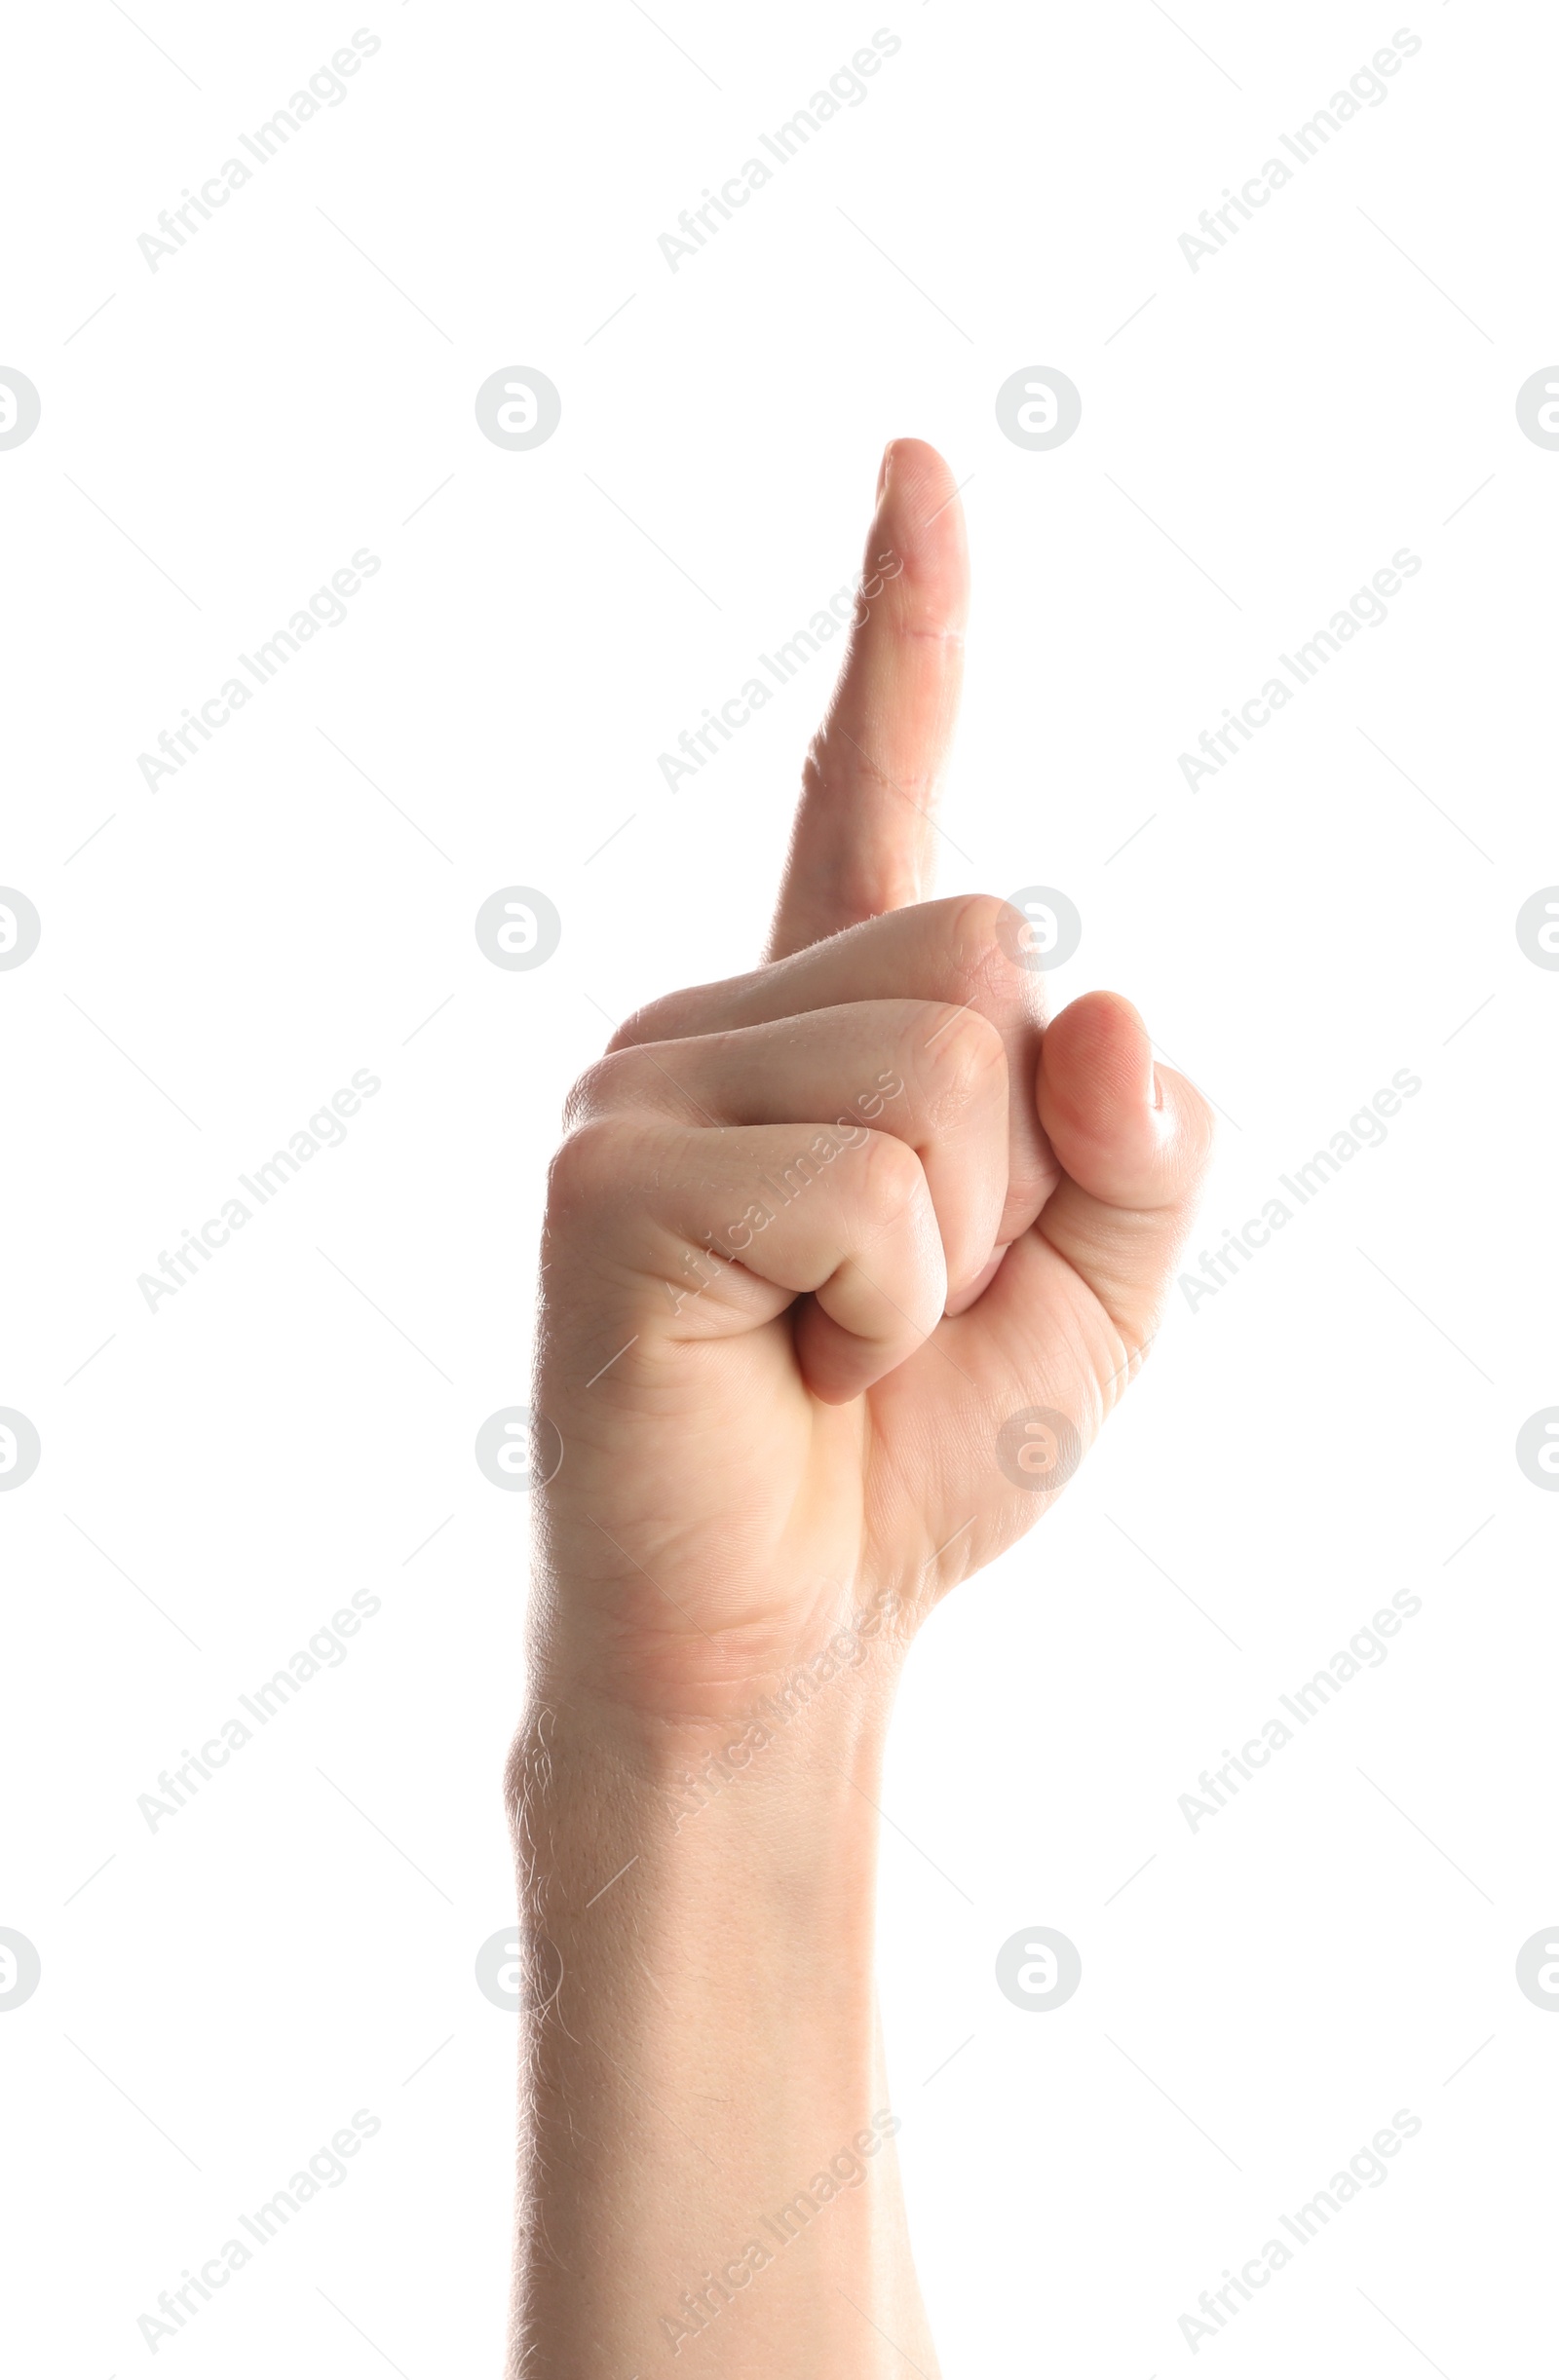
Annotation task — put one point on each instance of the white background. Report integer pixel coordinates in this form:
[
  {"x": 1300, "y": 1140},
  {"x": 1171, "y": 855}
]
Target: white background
[{"x": 1334, "y": 1426}]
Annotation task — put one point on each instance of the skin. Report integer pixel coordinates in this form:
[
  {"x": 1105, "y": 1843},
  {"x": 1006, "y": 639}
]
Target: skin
[{"x": 779, "y": 1396}]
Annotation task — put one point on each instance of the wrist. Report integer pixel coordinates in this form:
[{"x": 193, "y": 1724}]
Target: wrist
[
  {"x": 795, "y": 1756},
  {"x": 690, "y": 1688}
]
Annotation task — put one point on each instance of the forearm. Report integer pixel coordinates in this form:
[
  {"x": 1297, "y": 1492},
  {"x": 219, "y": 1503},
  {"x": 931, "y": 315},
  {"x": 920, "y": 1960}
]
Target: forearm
[{"x": 706, "y": 2179}]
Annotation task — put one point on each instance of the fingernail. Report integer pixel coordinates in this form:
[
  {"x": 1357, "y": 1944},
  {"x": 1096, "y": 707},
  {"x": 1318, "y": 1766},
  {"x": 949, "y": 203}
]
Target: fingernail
[{"x": 882, "y": 469}]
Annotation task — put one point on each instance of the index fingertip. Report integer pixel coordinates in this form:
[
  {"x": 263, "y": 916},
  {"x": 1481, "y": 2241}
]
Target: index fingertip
[{"x": 918, "y": 510}]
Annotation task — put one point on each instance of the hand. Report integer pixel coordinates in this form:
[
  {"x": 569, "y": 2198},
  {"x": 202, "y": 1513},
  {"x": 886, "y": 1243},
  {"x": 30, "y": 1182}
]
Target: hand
[{"x": 817, "y": 1233}]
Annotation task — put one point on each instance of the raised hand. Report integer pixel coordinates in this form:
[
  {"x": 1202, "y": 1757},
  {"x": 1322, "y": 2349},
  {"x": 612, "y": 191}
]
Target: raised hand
[{"x": 821, "y": 1235}]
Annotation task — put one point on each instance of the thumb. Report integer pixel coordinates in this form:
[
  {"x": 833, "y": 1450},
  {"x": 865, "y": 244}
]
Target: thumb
[
  {"x": 1132, "y": 1140},
  {"x": 862, "y": 835}
]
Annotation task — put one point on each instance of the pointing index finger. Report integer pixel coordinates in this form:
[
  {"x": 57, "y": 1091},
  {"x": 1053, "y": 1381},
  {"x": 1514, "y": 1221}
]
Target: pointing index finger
[{"x": 861, "y": 842}]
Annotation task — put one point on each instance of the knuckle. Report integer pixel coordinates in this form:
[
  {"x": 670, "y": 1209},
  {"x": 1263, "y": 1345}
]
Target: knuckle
[
  {"x": 889, "y": 1176},
  {"x": 588, "y": 1095},
  {"x": 665, "y": 1018},
  {"x": 586, "y": 1162},
  {"x": 641, "y": 1026},
  {"x": 975, "y": 929},
  {"x": 618, "y": 1080},
  {"x": 976, "y": 936},
  {"x": 956, "y": 1054},
  {"x": 680, "y": 1016}
]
